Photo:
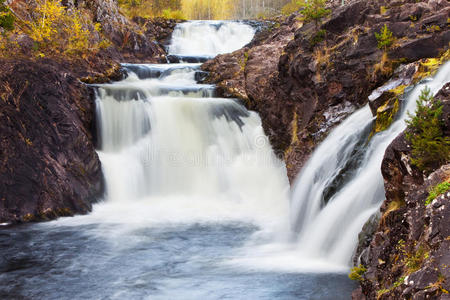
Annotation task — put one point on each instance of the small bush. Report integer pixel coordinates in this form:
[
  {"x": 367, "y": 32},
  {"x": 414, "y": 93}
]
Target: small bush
[
  {"x": 385, "y": 38},
  {"x": 436, "y": 191},
  {"x": 357, "y": 273},
  {"x": 414, "y": 261},
  {"x": 6, "y": 17},
  {"x": 318, "y": 37},
  {"x": 430, "y": 148},
  {"x": 58, "y": 30},
  {"x": 314, "y": 10}
]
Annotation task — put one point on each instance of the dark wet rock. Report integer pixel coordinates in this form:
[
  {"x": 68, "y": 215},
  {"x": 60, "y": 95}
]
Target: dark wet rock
[
  {"x": 175, "y": 59},
  {"x": 365, "y": 237},
  {"x": 157, "y": 29},
  {"x": 403, "y": 76},
  {"x": 408, "y": 257},
  {"x": 48, "y": 166}
]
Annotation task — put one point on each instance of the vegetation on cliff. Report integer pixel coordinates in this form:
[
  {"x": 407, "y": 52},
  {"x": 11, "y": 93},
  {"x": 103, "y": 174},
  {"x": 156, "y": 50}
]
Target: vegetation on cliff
[
  {"x": 52, "y": 29},
  {"x": 6, "y": 17},
  {"x": 430, "y": 148},
  {"x": 47, "y": 48}
]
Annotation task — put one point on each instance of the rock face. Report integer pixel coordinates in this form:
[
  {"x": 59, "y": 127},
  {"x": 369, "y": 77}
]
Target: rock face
[
  {"x": 130, "y": 43},
  {"x": 48, "y": 163},
  {"x": 408, "y": 257},
  {"x": 134, "y": 41},
  {"x": 48, "y": 166},
  {"x": 303, "y": 84}
]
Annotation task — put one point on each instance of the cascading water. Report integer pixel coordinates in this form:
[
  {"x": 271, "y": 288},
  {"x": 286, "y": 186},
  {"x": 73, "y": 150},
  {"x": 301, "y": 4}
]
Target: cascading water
[
  {"x": 165, "y": 136},
  {"x": 197, "y": 205},
  {"x": 192, "y": 185},
  {"x": 328, "y": 223},
  {"x": 209, "y": 38}
]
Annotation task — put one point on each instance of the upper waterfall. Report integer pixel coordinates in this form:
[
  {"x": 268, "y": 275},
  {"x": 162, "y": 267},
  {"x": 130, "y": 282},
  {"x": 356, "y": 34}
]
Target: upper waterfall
[
  {"x": 167, "y": 142},
  {"x": 209, "y": 38}
]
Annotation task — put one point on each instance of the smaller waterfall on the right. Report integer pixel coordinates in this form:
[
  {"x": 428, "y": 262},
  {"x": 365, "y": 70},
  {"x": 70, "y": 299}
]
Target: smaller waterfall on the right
[{"x": 341, "y": 186}]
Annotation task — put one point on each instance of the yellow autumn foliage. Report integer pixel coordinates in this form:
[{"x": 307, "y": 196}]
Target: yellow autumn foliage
[
  {"x": 50, "y": 16},
  {"x": 57, "y": 29},
  {"x": 208, "y": 9},
  {"x": 203, "y": 9}
]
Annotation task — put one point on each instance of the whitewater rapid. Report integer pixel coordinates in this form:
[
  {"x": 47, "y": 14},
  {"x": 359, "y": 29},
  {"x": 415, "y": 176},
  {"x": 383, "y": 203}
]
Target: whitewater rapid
[
  {"x": 172, "y": 152},
  {"x": 328, "y": 224}
]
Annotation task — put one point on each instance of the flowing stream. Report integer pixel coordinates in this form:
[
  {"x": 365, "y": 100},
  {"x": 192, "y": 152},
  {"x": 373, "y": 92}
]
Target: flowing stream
[{"x": 197, "y": 206}]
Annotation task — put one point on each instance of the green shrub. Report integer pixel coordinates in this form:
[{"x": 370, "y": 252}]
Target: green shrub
[
  {"x": 437, "y": 190},
  {"x": 318, "y": 37},
  {"x": 385, "y": 38},
  {"x": 314, "y": 10},
  {"x": 357, "y": 272},
  {"x": 430, "y": 148},
  {"x": 6, "y": 17}
]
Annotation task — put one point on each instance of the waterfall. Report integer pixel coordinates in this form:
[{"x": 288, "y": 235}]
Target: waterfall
[
  {"x": 341, "y": 186},
  {"x": 209, "y": 38},
  {"x": 175, "y": 152}
]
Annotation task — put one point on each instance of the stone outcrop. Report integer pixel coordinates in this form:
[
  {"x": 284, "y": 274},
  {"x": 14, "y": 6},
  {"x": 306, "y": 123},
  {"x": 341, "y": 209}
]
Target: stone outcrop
[
  {"x": 127, "y": 37},
  {"x": 299, "y": 89},
  {"x": 408, "y": 257},
  {"x": 134, "y": 41},
  {"x": 48, "y": 165}
]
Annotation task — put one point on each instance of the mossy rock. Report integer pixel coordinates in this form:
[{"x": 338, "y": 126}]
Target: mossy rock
[
  {"x": 386, "y": 113},
  {"x": 428, "y": 67}
]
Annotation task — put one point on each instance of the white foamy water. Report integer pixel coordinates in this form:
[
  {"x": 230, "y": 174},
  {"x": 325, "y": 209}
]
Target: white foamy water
[
  {"x": 172, "y": 153},
  {"x": 209, "y": 38},
  {"x": 196, "y": 201}
]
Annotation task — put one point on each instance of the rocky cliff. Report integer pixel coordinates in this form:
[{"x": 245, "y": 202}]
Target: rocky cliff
[
  {"x": 408, "y": 257},
  {"x": 303, "y": 82},
  {"x": 48, "y": 163},
  {"x": 49, "y": 166}
]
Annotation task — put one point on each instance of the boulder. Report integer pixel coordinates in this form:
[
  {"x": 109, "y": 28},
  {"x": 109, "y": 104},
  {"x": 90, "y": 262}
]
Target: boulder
[{"x": 49, "y": 166}]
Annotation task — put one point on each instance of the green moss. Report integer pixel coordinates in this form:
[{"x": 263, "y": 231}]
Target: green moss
[
  {"x": 399, "y": 281},
  {"x": 400, "y": 90},
  {"x": 6, "y": 17},
  {"x": 428, "y": 67},
  {"x": 434, "y": 28},
  {"x": 318, "y": 37},
  {"x": 28, "y": 218},
  {"x": 243, "y": 62},
  {"x": 386, "y": 115},
  {"x": 436, "y": 191},
  {"x": 382, "y": 292},
  {"x": 356, "y": 273},
  {"x": 414, "y": 261}
]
